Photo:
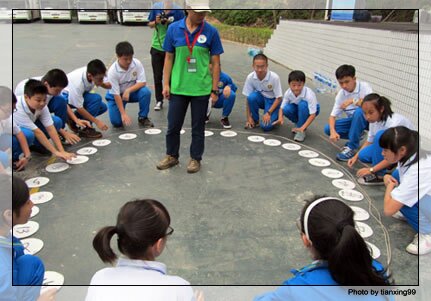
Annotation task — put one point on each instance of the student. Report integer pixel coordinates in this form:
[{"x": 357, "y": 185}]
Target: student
[
  {"x": 409, "y": 184},
  {"x": 128, "y": 84},
  {"x": 88, "y": 105},
  {"x": 379, "y": 114},
  {"x": 32, "y": 113},
  {"x": 263, "y": 91},
  {"x": 299, "y": 105},
  {"x": 341, "y": 256},
  {"x": 226, "y": 98},
  {"x": 161, "y": 16},
  {"x": 142, "y": 229},
  {"x": 55, "y": 81},
  {"x": 348, "y": 100}
]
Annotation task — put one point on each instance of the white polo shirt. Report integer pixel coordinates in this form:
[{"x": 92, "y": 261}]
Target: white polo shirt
[
  {"x": 19, "y": 90},
  {"x": 9, "y": 126},
  {"x": 269, "y": 87},
  {"x": 306, "y": 94},
  {"x": 362, "y": 89},
  {"x": 138, "y": 272},
  {"x": 78, "y": 85},
  {"x": 395, "y": 120},
  {"x": 24, "y": 117},
  {"x": 121, "y": 79},
  {"x": 407, "y": 192}
]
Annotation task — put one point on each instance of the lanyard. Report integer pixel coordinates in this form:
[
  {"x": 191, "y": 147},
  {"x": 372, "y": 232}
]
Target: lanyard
[{"x": 194, "y": 41}]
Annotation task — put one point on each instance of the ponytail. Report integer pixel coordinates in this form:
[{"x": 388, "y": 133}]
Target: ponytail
[
  {"x": 102, "y": 244},
  {"x": 380, "y": 102}
]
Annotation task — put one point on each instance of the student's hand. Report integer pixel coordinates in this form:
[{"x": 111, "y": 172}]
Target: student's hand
[
  {"x": 390, "y": 181},
  {"x": 166, "y": 92},
  {"x": 126, "y": 119},
  {"x": 71, "y": 137},
  {"x": 226, "y": 92},
  {"x": 126, "y": 95},
  {"x": 65, "y": 155},
  {"x": 250, "y": 123},
  {"x": 21, "y": 163},
  {"x": 352, "y": 161},
  {"x": 157, "y": 19},
  {"x": 279, "y": 121},
  {"x": 266, "y": 119},
  {"x": 83, "y": 123},
  {"x": 101, "y": 125},
  {"x": 214, "y": 98},
  {"x": 199, "y": 296},
  {"x": 363, "y": 172},
  {"x": 346, "y": 103},
  {"x": 48, "y": 294},
  {"x": 334, "y": 137}
]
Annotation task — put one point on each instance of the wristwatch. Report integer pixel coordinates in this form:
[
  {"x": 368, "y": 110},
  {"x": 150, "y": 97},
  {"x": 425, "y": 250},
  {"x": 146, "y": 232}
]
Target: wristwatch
[
  {"x": 371, "y": 169},
  {"x": 216, "y": 92}
]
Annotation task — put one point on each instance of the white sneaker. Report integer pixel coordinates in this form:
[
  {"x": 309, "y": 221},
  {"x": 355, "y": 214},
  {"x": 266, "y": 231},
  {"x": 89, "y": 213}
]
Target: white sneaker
[
  {"x": 420, "y": 245},
  {"x": 399, "y": 216},
  {"x": 159, "y": 106}
]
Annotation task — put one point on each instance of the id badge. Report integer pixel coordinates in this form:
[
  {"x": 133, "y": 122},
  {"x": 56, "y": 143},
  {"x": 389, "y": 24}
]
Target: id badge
[{"x": 191, "y": 65}]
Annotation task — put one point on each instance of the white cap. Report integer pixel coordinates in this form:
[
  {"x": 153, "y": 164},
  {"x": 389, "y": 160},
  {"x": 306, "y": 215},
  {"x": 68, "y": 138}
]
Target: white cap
[{"x": 198, "y": 5}]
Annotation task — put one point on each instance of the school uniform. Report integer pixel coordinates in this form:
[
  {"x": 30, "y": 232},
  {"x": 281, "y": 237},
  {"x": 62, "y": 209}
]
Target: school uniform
[
  {"x": 149, "y": 280},
  {"x": 261, "y": 94},
  {"x": 77, "y": 93},
  {"x": 303, "y": 286},
  {"x": 373, "y": 152},
  {"x": 9, "y": 129},
  {"x": 56, "y": 104},
  {"x": 120, "y": 80},
  {"x": 222, "y": 102},
  {"x": 354, "y": 124},
  {"x": 191, "y": 82},
  {"x": 298, "y": 108}
]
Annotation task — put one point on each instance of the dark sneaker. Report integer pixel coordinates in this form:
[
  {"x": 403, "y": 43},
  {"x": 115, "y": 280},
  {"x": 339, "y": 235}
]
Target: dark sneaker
[
  {"x": 371, "y": 180},
  {"x": 225, "y": 123},
  {"x": 194, "y": 166},
  {"x": 346, "y": 154},
  {"x": 72, "y": 125},
  {"x": 167, "y": 162},
  {"x": 145, "y": 122},
  {"x": 40, "y": 150},
  {"x": 90, "y": 133}
]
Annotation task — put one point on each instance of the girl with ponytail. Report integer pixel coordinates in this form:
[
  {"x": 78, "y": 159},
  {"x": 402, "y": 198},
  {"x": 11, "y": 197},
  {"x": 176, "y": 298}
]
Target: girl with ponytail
[
  {"x": 378, "y": 112},
  {"x": 142, "y": 229},
  {"x": 341, "y": 256},
  {"x": 409, "y": 184}
]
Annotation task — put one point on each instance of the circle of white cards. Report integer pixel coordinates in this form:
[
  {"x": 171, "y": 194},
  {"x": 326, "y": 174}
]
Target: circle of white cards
[
  {"x": 153, "y": 131},
  {"x": 85, "y": 151},
  {"x": 32, "y": 246},
  {"x": 208, "y": 133},
  {"x": 291, "y": 146},
  {"x": 272, "y": 142},
  {"x": 360, "y": 214},
  {"x": 41, "y": 197},
  {"x": 182, "y": 132},
  {"x": 375, "y": 252},
  {"x": 57, "y": 167},
  {"x": 34, "y": 211},
  {"x": 332, "y": 173},
  {"x": 78, "y": 160},
  {"x": 343, "y": 184},
  {"x": 127, "y": 136},
  {"x": 52, "y": 278},
  {"x": 37, "y": 182},
  {"x": 228, "y": 134},
  {"x": 257, "y": 139},
  {"x": 351, "y": 195},
  {"x": 363, "y": 229},
  {"x": 308, "y": 154},
  {"x": 319, "y": 162},
  {"x": 101, "y": 142},
  {"x": 25, "y": 230}
]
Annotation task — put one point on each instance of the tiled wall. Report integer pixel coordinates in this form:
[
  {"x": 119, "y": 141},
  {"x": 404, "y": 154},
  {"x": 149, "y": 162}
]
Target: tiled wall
[{"x": 388, "y": 60}]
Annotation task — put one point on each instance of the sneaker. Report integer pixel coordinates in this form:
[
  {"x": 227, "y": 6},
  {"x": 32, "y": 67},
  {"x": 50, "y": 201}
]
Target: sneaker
[
  {"x": 145, "y": 122},
  {"x": 207, "y": 118},
  {"x": 399, "y": 216},
  {"x": 158, "y": 106},
  {"x": 420, "y": 245},
  {"x": 346, "y": 154},
  {"x": 167, "y": 162},
  {"x": 371, "y": 180},
  {"x": 299, "y": 136},
  {"x": 72, "y": 126},
  {"x": 40, "y": 150},
  {"x": 90, "y": 133},
  {"x": 225, "y": 123},
  {"x": 194, "y": 166}
]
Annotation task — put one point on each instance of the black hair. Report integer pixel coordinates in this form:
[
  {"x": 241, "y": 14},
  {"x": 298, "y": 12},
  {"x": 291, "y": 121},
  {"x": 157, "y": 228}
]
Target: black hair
[
  {"x": 96, "y": 67},
  {"x": 344, "y": 71},
  {"x": 20, "y": 194},
  {"x": 55, "y": 78},
  {"x": 140, "y": 224},
  {"x": 34, "y": 86},
  {"x": 296, "y": 76},
  {"x": 397, "y": 137},
  {"x": 5, "y": 94},
  {"x": 379, "y": 103},
  {"x": 260, "y": 56},
  {"x": 124, "y": 49},
  {"x": 331, "y": 229}
]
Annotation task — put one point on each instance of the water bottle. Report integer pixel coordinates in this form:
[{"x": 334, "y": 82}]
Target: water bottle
[{"x": 254, "y": 51}]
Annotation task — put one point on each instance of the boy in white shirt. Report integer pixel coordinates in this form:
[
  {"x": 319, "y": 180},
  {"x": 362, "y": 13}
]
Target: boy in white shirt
[{"x": 128, "y": 84}]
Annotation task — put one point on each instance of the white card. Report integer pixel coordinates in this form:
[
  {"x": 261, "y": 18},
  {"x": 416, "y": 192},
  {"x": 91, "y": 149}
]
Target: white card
[
  {"x": 319, "y": 162},
  {"x": 127, "y": 136},
  {"x": 343, "y": 184},
  {"x": 228, "y": 134},
  {"x": 32, "y": 246},
  {"x": 208, "y": 133},
  {"x": 256, "y": 138},
  {"x": 101, "y": 142},
  {"x": 86, "y": 151},
  {"x": 360, "y": 214},
  {"x": 25, "y": 230},
  {"x": 57, "y": 167},
  {"x": 332, "y": 173},
  {"x": 308, "y": 154},
  {"x": 364, "y": 230},
  {"x": 34, "y": 211},
  {"x": 52, "y": 279},
  {"x": 272, "y": 142},
  {"x": 375, "y": 252},
  {"x": 351, "y": 195},
  {"x": 41, "y": 197},
  {"x": 291, "y": 146},
  {"x": 78, "y": 160},
  {"x": 153, "y": 131},
  {"x": 37, "y": 182}
]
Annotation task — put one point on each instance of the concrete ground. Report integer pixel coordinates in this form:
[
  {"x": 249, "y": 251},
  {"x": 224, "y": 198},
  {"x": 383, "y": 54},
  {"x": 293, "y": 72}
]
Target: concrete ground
[{"x": 234, "y": 221}]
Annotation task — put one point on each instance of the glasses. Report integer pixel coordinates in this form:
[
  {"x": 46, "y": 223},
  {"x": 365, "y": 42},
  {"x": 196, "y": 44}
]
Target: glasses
[{"x": 170, "y": 231}]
